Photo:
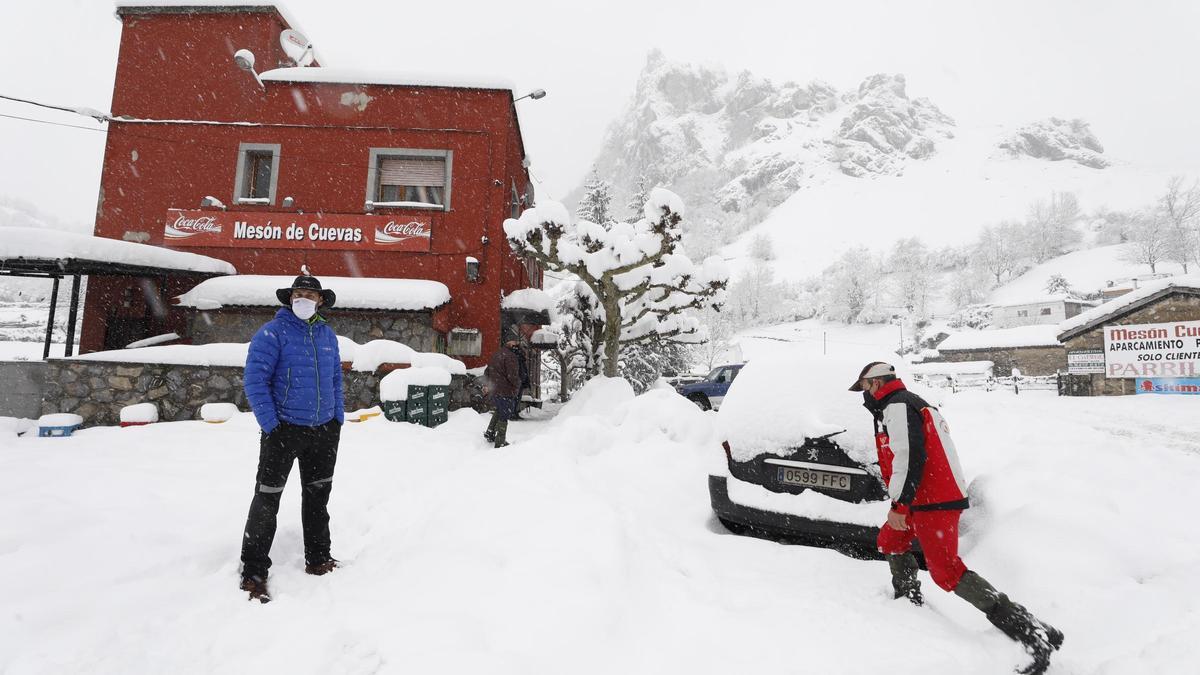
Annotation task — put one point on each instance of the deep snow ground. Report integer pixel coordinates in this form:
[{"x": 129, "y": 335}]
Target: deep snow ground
[{"x": 587, "y": 547}]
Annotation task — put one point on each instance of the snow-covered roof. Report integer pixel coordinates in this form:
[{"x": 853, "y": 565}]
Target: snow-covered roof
[
  {"x": 1123, "y": 303},
  {"x": 952, "y": 368},
  {"x": 1020, "y": 301},
  {"x": 258, "y": 290},
  {"x": 534, "y": 299},
  {"x": 456, "y": 80},
  {"x": 30, "y": 243},
  {"x": 1045, "y": 335}
]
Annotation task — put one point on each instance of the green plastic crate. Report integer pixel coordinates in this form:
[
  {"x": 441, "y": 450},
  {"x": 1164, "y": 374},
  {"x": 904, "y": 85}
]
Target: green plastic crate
[
  {"x": 417, "y": 412},
  {"x": 395, "y": 411},
  {"x": 439, "y": 404}
]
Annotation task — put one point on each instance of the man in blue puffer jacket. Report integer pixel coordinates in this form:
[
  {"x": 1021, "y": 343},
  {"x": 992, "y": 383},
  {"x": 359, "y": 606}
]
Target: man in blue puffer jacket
[{"x": 293, "y": 382}]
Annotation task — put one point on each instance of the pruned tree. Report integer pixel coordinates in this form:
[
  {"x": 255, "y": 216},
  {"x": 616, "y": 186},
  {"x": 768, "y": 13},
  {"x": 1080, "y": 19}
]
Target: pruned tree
[
  {"x": 1181, "y": 208},
  {"x": 643, "y": 282},
  {"x": 1149, "y": 236}
]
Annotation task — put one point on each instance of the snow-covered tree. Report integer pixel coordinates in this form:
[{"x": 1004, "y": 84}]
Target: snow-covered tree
[
  {"x": 580, "y": 328},
  {"x": 1050, "y": 226},
  {"x": 1181, "y": 207},
  {"x": 1057, "y": 283},
  {"x": 998, "y": 250},
  {"x": 762, "y": 248},
  {"x": 1149, "y": 239},
  {"x": 911, "y": 275},
  {"x": 637, "y": 200},
  {"x": 643, "y": 282},
  {"x": 850, "y": 286},
  {"x": 644, "y": 362},
  {"x": 597, "y": 198}
]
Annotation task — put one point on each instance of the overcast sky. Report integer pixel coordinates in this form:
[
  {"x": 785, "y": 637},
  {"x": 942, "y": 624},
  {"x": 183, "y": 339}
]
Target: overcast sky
[{"x": 1129, "y": 68}]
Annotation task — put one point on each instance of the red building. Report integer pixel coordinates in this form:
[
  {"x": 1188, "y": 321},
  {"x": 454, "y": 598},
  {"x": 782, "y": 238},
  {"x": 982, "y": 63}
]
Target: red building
[{"x": 349, "y": 175}]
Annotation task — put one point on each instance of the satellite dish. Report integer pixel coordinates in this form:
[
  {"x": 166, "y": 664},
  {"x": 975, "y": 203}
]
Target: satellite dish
[{"x": 297, "y": 47}]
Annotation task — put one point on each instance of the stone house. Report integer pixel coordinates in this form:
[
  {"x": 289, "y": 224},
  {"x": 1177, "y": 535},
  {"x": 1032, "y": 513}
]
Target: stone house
[
  {"x": 1169, "y": 300},
  {"x": 1035, "y": 350}
]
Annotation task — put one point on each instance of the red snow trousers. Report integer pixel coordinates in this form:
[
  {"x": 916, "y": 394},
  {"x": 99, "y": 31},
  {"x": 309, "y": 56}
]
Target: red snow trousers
[{"x": 937, "y": 531}]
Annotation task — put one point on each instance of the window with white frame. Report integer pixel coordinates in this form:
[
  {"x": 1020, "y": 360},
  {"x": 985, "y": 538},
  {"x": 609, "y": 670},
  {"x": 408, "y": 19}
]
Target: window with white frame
[
  {"x": 257, "y": 173},
  {"x": 1022, "y": 312},
  {"x": 1046, "y": 311},
  {"x": 409, "y": 178}
]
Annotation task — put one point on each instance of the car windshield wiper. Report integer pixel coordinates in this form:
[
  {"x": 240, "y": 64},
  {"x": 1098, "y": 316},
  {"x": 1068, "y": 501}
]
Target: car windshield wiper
[{"x": 828, "y": 435}]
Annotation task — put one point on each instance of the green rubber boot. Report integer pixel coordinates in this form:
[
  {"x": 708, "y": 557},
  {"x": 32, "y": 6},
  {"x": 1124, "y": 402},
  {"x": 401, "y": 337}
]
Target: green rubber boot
[
  {"x": 1039, "y": 639},
  {"x": 904, "y": 578}
]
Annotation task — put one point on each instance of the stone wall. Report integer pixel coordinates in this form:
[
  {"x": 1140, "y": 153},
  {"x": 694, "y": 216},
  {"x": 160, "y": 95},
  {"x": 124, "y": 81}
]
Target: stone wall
[
  {"x": 1031, "y": 360},
  {"x": 1180, "y": 306},
  {"x": 21, "y": 390},
  {"x": 238, "y": 324},
  {"x": 97, "y": 390}
]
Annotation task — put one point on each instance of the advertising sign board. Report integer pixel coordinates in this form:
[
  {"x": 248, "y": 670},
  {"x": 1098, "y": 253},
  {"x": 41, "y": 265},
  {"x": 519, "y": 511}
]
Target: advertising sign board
[
  {"x": 1152, "y": 350},
  {"x": 228, "y": 229}
]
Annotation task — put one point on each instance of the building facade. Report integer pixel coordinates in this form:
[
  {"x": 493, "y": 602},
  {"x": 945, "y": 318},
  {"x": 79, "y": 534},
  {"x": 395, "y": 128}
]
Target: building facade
[
  {"x": 1052, "y": 309},
  {"x": 337, "y": 173}
]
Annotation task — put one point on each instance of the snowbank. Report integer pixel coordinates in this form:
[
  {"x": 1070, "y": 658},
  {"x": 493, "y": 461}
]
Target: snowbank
[
  {"x": 139, "y": 413},
  {"x": 952, "y": 368},
  {"x": 394, "y": 385},
  {"x": 214, "y": 354},
  {"x": 258, "y": 290},
  {"x": 218, "y": 412},
  {"x": 1021, "y": 336}
]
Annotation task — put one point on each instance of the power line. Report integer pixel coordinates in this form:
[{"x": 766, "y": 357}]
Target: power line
[
  {"x": 55, "y": 124},
  {"x": 76, "y": 111}
]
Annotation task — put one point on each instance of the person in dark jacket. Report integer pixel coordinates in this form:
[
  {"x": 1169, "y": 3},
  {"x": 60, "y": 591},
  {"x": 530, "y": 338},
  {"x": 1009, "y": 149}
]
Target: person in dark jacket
[
  {"x": 293, "y": 382},
  {"x": 918, "y": 462},
  {"x": 503, "y": 376}
]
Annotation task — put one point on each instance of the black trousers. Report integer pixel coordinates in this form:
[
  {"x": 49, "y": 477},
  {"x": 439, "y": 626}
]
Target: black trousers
[{"x": 316, "y": 449}]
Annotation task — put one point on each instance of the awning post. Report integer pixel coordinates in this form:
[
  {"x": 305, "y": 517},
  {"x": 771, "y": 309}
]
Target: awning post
[
  {"x": 50, "y": 321},
  {"x": 70, "y": 346}
]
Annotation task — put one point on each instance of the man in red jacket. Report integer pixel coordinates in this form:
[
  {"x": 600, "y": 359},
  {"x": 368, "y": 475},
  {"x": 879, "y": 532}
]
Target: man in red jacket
[{"x": 925, "y": 482}]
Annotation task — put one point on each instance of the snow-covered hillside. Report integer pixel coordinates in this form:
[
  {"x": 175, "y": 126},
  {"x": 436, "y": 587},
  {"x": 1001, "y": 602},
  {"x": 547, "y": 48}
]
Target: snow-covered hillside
[
  {"x": 18, "y": 213},
  {"x": 1087, "y": 271},
  {"x": 588, "y": 546}
]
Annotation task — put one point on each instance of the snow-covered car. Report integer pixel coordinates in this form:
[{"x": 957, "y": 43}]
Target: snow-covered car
[
  {"x": 710, "y": 392},
  {"x": 800, "y": 461}
]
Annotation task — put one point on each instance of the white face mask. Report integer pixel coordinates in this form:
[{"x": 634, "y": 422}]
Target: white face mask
[{"x": 304, "y": 308}]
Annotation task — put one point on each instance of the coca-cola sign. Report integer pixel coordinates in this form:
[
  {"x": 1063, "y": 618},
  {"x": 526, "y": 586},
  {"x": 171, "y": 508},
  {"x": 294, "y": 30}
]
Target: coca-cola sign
[
  {"x": 184, "y": 227},
  {"x": 290, "y": 230},
  {"x": 394, "y": 233}
]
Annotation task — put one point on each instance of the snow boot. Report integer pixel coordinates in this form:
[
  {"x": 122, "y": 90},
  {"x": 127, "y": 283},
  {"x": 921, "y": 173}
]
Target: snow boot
[
  {"x": 490, "y": 434},
  {"x": 1039, "y": 639},
  {"x": 322, "y": 568},
  {"x": 904, "y": 578},
  {"x": 501, "y": 433},
  {"x": 257, "y": 588}
]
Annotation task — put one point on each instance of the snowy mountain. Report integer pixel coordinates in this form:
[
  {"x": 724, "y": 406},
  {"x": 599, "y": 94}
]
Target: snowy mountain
[
  {"x": 735, "y": 146},
  {"x": 816, "y": 170}
]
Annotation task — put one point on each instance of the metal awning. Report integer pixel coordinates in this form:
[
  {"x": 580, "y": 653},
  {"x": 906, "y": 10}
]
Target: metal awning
[{"x": 49, "y": 254}]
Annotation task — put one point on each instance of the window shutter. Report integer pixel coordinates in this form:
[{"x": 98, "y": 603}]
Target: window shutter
[{"x": 413, "y": 171}]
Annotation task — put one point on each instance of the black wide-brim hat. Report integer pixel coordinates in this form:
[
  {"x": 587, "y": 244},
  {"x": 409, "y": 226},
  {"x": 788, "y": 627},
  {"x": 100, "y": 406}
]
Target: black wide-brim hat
[{"x": 308, "y": 283}]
